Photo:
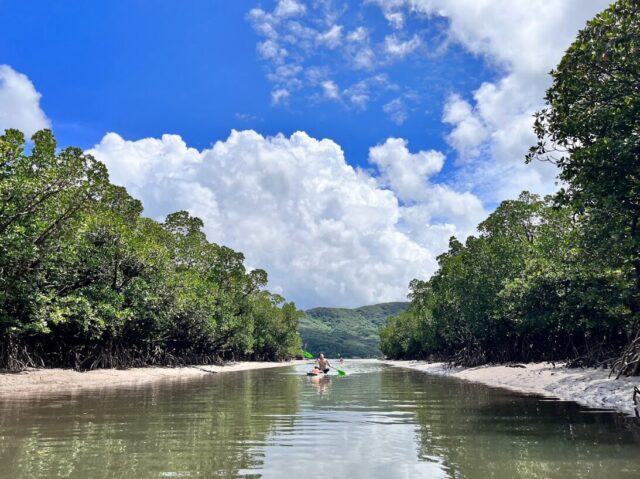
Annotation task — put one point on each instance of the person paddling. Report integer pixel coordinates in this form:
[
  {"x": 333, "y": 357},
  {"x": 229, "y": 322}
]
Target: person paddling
[{"x": 323, "y": 363}]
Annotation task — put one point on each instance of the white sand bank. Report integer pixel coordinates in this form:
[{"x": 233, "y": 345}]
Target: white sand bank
[
  {"x": 589, "y": 387},
  {"x": 39, "y": 381}
]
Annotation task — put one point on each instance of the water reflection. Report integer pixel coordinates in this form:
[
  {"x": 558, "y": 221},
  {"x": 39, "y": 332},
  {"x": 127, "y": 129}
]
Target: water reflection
[
  {"x": 376, "y": 422},
  {"x": 213, "y": 426},
  {"x": 490, "y": 433},
  {"x": 321, "y": 383}
]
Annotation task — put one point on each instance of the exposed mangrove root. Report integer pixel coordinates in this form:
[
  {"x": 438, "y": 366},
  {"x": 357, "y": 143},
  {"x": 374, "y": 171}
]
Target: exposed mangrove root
[
  {"x": 629, "y": 362},
  {"x": 17, "y": 355},
  {"x": 470, "y": 356}
]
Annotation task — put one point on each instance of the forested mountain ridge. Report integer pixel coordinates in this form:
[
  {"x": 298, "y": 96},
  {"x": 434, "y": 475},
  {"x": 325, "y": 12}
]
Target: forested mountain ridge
[
  {"x": 86, "y": 281},
  {"x": 346, "y": 332}
]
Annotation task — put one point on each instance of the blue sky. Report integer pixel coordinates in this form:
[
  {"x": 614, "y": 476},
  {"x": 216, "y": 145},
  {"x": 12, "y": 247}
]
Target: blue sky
[
  {"x": 143, "y": 71},
  {"x": 425, "y": 104}
]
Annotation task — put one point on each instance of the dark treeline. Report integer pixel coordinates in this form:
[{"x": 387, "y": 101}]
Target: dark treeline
[
  {"x": 553, "y": 278},
  {"x": 86, "y": 281}
]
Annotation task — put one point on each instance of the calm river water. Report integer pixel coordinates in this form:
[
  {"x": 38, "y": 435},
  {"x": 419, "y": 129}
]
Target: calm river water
[{"x": 378, "y": 422}]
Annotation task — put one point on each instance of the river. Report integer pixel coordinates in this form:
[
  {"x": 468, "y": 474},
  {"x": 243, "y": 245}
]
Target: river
[{"x": 378, "y": 422}]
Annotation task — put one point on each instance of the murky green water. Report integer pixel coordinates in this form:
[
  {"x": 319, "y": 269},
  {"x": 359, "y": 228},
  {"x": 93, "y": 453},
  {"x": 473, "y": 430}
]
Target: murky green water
[{"x": 278, "y": 423}]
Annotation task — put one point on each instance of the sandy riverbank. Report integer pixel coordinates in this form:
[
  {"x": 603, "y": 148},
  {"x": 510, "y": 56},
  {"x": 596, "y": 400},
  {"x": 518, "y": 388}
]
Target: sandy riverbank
[
  {"x": 39, "y": 381},
  {"x": 589, "y": 387}
]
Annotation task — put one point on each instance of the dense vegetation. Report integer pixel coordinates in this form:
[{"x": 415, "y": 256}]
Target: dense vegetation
[
  {"x": 528, "y": 287},
  {"x": 86, "y": 281},
  {"x": 556, "y": 277},
  {"x": 349, "y": 333}
]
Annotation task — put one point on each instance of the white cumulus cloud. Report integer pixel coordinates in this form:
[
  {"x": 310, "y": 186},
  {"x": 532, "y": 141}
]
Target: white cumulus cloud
[
  {"x": 330, "y": 90},
  {"x": 469, "y": 131},
  {"x": 332, "y": 38},
  {"x": 404, "y": 172},
  {"x": 271, "y": 50},
  {"x": 20, "y": 103},
  {"x": 395, "y": 19},
  {"x": 289, "y": 8},
  {"x": 360, "y": 34},
  {"x": 398, "y": 48},
  {"x": 328, "y": 234},
  {"x": 397, "y": 110},
  {"x": 279, "y": 95}
]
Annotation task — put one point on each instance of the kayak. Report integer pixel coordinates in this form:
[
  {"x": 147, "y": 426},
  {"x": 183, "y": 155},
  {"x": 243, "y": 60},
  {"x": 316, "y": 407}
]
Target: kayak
[{"x": 315, "y": 374}]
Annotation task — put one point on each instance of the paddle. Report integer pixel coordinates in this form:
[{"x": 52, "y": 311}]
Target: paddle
[
  {"x": 340, "y": 371},
  {"x": 307, "y": 355}
]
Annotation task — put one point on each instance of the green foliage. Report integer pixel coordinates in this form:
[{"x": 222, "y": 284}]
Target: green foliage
[
  {"x": 591, "y": 130},
  {"x": 526, "y": 288},
  {"x": 346, "y": 332},
  {"x": 86, "y": 281}
]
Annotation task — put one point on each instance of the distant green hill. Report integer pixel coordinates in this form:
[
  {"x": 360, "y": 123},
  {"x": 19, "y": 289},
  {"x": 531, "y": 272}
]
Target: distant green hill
[{"x": 346, "y": 332}]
